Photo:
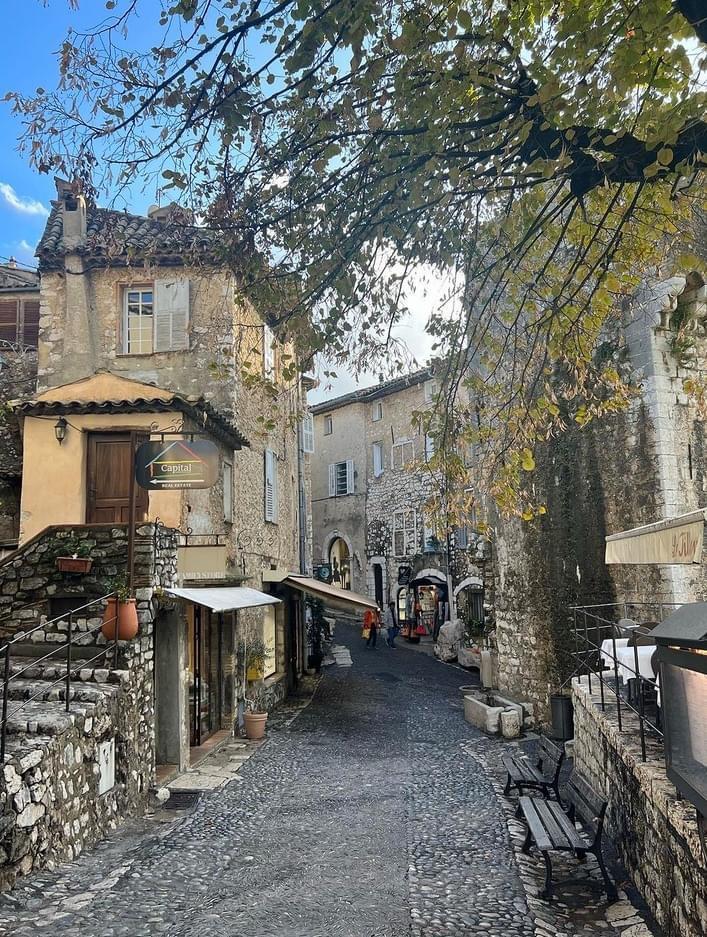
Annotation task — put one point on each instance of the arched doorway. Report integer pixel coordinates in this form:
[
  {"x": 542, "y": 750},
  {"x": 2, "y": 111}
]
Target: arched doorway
[{"x": 340, "y": 561}]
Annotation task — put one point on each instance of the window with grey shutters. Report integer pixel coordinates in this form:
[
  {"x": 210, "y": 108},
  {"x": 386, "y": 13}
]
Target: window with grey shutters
[
  {"x": 377, "y": 459},
  {"x": 156, "y": 318},
  {"x": 268, "y": 352},
  {"x": 341, "y": 479},
  {"x": 270, "y": 486}
]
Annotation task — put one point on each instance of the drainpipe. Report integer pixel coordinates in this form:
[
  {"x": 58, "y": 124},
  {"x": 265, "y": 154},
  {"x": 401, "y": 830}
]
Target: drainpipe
[{"x": 302, "y": 498}]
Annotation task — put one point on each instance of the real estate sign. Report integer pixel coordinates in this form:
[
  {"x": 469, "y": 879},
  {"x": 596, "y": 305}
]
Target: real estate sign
[{"x": 177, "y": 463}]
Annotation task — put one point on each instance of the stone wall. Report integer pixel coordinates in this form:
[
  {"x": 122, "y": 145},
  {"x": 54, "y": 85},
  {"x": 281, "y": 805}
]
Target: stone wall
[
  {"x": 624, "y": 470},
  {"x": 655, "y": 833},
  {"x": 50, "y": 807}
]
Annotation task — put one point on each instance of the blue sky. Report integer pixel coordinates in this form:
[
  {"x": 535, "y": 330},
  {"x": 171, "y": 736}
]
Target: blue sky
[
  {"x": 28, "y": 47},
  {"x": 28, "y": 44}
]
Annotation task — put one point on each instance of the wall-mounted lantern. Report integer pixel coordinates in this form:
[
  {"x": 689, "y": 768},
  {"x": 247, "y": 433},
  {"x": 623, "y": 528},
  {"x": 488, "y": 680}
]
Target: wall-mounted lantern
[
  {"x": 682, "y": 654},
  {"x": 60, "y": 429}
]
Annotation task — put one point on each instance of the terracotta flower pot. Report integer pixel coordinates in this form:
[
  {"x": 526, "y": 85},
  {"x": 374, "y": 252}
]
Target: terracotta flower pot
[
  {"x": 255, "y": 725},
  {"x": 126, "y": 613},
  {"x": 74, "y": 564}
]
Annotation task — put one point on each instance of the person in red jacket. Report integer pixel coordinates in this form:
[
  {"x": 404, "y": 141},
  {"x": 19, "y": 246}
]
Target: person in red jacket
[{"x": 371, "y": 621}]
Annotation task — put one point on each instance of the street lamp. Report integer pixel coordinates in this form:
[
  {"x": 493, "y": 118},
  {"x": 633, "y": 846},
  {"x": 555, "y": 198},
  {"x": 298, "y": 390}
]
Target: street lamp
[{"x": 60, "y": 429}]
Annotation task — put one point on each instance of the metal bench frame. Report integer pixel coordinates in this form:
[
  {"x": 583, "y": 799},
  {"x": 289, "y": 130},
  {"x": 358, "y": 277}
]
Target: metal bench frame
[
  {"x": 553, "y": 829},
  {"x": 523, "y": 775}
]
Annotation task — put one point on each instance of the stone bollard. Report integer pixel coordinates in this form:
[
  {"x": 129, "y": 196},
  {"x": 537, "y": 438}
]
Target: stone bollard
[{"x": 510, "y": 724}]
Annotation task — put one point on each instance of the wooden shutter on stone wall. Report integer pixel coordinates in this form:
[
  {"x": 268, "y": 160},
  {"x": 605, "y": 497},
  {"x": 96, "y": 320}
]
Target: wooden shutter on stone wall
[
  {"x": 171, "y": 315},
  {"x": 8, "y": 320},
  {"x": 30, "y": 327}
]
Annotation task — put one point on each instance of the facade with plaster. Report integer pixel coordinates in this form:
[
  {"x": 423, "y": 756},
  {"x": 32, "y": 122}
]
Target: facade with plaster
[
  {"x": 370, "y": 485},
  {"x": 143, "y": 336}
]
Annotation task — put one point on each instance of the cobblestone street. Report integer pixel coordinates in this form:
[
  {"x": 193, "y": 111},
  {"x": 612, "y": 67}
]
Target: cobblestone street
[{"x": 368, "y": 815}]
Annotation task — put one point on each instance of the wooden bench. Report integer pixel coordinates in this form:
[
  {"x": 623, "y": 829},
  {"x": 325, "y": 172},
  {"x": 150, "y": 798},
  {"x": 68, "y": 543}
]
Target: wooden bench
[
  {"x": 551, "y": 829},
  {"x": 543, "y": 776}
]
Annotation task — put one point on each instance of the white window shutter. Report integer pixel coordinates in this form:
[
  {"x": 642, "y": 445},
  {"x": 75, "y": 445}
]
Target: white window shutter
[
  {"x": 268, "y": 351},
  {"x": 308, "y": 433},
  {"x": 332, "y": 481},
  {"x": 270, "y": 486},
  {"x": 349, "y": 477},
  {"x": 171, "y": 315},
  {"x": 377, "y": 459}
]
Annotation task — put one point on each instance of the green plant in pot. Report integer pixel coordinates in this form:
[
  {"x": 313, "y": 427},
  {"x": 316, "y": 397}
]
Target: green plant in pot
[
  {"x": 252, "y": 654},
  {"x": 73, "y": 555},
  {"x": 120, "y": 620}
]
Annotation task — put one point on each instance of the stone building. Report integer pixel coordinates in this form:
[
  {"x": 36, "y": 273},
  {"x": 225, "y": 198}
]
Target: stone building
[
  {"x": 19, "y": 326},
  {"x": 144, "y": 340},
  {"x": 637, "y": 467},
  {"x": 370, "y": 485}
]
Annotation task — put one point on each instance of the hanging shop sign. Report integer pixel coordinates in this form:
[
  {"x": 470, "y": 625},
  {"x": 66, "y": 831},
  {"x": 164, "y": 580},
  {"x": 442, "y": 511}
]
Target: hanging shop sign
[
  {"x": 404, "y": 575},
  {"x": 323, "y": 572},
  {"x": 179, "y": 463}
]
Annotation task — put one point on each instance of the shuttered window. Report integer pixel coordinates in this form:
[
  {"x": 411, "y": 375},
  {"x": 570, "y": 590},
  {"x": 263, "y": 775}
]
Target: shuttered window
[
  {"x": 30, "y": 325},
  {"x": 308, "y": 433},
  {"x": 9, "y": 311},
  {"x": 405, "y": 533},
  {"x": 268, "y": 352},
  {"x": 271, "y": 513},
  {"x": 19, "y": 322},
  {"x": 172, "y": 315},
  {"x": 341, "y": 479},
  {"x": 377, "y": 459},
  {"x": 228, "y": 492},
  {"x": 429, "y": 447},
  {"x": 156, "y": 318}
]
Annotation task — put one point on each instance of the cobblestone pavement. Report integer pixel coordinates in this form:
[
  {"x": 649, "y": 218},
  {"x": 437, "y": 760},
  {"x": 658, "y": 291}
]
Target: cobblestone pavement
[{"x": 371, "y": 814}]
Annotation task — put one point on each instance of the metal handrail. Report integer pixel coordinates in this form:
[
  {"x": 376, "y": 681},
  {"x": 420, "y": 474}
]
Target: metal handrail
[
  {"x": 65, "y": 647},
  {"x": 593, "y": 648}
]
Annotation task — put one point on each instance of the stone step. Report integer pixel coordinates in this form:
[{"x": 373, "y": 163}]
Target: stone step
[
  {"x": 25, "y": 751},
  {"x": 79, "y": 651},
  {"x": 41, "y": 690},
  {"x": 56, "y": 670},
  {"x": 45, "y": 717}
]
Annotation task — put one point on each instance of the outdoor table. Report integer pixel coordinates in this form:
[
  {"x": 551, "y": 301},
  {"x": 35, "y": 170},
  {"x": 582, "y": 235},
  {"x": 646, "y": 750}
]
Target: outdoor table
[{"x": 607, "y": 651}]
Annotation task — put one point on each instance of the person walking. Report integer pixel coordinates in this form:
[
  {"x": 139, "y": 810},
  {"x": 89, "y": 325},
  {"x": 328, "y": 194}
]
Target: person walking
[
  {"x": 390, "y": 624},
  {"x": 373, "y": 625}
]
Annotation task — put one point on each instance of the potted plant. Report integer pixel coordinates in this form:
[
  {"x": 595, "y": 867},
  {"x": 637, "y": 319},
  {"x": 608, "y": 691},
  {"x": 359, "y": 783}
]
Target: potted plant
[
  {"x": 77, "y": 558},
  {"x": 120, "y": 612},
  {"x": 255, "y": 720}
]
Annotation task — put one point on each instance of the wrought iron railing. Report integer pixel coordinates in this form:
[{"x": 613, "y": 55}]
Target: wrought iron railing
[
  {"x": 66, "y": 648},
  {"x": 596, "y": 630}
]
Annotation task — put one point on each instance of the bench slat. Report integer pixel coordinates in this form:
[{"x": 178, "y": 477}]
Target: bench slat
[
  {"x": 549, "y": 749},
  {"x": 520, "y": 769},
  {"x": 562, "y": 831},
  {"x": 529, "y": 807}
]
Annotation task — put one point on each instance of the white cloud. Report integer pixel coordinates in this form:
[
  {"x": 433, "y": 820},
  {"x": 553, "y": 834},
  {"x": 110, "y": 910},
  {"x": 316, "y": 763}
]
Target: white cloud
[
  {"x": 428, "y": 291},
  {"x": 24, "y": 246},
  {"x": 26, "y": 206}
]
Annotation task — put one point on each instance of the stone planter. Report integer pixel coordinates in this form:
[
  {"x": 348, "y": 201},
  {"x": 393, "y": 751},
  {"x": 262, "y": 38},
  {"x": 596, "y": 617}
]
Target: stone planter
[
  {"x": 74, "y": 564},
  {"x": 481, "y": 715},
  {"x": 255, "y": 725},
  {"x": 126, "y": 613}
]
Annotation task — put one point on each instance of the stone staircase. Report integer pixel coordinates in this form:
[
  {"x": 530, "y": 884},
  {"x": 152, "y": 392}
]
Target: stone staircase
[{"x": 36, "y": 705}]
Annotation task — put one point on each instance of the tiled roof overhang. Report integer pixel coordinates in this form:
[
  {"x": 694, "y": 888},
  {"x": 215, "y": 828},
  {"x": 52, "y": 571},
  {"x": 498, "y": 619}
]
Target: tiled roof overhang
[
  {"x": 201, "y": 411},
  {"x": 375, "y": 392}
]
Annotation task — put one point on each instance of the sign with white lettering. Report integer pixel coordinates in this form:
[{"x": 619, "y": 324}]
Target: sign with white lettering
[{"x": 181, "y": 463}]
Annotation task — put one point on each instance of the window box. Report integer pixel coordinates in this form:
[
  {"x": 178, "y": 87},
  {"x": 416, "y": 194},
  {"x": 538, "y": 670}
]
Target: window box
[{"x": 74, "y": 564}]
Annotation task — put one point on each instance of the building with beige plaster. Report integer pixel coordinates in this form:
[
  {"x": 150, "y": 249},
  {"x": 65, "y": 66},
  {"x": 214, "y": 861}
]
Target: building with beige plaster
[{"x": 370, "y": 487}]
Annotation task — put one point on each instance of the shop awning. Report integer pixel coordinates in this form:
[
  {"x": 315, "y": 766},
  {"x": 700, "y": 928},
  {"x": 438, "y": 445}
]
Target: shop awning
[
  {"x": 226, "y": 598},
  {"x": 332, "y": 595},
  {"x": 429, "y": 579},
  {"x": 677, "y": 540}
]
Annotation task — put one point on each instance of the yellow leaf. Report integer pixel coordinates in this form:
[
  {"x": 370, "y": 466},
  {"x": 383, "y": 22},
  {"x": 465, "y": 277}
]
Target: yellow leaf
[
  {"x": 527, "y": 460},
  {"x": 665, "y": 156}
]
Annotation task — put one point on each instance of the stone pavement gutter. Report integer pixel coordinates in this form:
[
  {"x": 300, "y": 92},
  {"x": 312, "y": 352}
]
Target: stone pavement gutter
[{"x": 374, "y": 811}]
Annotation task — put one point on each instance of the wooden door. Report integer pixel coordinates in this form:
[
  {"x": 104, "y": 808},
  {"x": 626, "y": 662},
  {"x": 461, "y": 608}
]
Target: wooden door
[{"x": 110, "y": 466}]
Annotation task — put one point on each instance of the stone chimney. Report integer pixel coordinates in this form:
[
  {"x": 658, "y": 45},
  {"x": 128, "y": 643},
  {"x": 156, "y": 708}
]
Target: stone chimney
[
  {"x": 173, "y": 212},
  {"x": 73, "y": 206},
  {"x": 12, "y": 263}
]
